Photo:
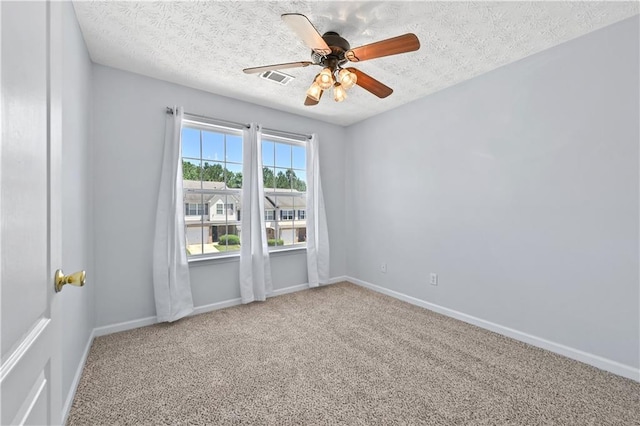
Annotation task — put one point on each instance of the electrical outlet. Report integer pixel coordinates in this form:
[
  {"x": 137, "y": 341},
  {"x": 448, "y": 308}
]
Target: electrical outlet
[
  {"x": 383, "y": 268},
  {"x": 433, "y": 279}
]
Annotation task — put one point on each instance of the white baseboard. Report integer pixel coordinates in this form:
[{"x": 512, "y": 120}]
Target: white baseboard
[
  {"x": 292, "y": 289},
  {"x": 124, "y": 326},
  {"x": 143, "y": 322},
  {"x": 336, "y": 280},
  {"x": 576, "y": 354},
  {"x": 286, "y": 290},
  {"x": 215, "y": 306},
  {"x": 76, "y": 379}
]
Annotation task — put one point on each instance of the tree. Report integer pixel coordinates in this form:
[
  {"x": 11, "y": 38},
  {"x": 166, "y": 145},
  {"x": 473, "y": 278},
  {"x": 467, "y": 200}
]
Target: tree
[
  {"x": 268, "y": 177},
  {"x": 282, "y": 181},
  {"x": 296, "y": 183},
  {"x": 234, "y": 180},
  {"x": 216, "y": 173},
  {"x": 300, "y": 185},
  {"x": 213, "y": 173},
  {"x": 190, "y": 171}
]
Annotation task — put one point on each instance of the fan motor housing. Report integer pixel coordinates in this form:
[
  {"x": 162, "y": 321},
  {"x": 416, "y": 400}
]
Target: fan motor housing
[{"x": 338, "y": 46}]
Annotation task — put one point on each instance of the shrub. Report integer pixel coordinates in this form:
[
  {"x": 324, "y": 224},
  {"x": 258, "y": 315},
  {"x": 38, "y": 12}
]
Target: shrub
[
  {"x": 232, "y": 240},
  {"x": 274, "y": 242}
]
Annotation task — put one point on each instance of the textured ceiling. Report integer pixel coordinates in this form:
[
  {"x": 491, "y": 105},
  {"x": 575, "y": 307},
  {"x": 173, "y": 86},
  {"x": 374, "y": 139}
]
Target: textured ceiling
[{"x": 206, "y": 45}]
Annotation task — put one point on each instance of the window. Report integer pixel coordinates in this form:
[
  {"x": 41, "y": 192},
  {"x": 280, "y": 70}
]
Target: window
[
  {"x": 222, "y": 207},
  {"x": 302, "y": 214},
  {"x": 193, "y": 209},
  {"x": 285, "y": 187},
  {"x": 212, "y": 175},
  {"x": 286, "y": 214}
]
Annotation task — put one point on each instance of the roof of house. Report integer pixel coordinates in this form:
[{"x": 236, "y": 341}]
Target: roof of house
[{"x": 296, "y": 200}]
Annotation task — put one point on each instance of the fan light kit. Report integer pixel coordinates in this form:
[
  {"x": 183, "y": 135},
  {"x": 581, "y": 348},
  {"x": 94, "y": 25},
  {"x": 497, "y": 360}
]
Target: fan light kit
[
  {"x": 326, "y": 80},
  {"x": 332, "y": 52}
]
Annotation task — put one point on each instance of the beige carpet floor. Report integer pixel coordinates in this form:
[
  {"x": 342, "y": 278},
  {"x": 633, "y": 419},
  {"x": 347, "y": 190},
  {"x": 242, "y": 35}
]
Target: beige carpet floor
[{"x": 339, "y": 354}]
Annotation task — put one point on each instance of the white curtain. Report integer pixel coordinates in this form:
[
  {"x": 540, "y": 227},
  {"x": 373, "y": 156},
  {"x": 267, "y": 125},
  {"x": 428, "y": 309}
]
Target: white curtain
[
  {"x": 317, "y": 233},
  {"x": 255, "y": 268},
  {"x": 170, "y": 268}
]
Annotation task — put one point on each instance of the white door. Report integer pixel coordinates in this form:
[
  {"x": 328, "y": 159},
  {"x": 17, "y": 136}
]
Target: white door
[{"x": 30, "y": 210}]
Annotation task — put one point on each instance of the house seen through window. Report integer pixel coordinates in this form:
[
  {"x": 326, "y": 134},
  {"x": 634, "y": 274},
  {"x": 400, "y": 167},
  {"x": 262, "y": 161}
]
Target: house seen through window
[{"x": 212, "y": 185}]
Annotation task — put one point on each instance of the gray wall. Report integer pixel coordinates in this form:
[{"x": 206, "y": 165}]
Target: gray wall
[
  {"x": 128, "y": 128},
  {"x": 77, "y": 304},
  {"x": 519, "y": 188}
]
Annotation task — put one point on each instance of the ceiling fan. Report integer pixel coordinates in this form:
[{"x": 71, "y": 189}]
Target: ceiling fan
[{"x": 332, "y": 52}]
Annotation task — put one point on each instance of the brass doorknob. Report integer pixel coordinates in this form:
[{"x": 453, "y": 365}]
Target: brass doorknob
[{"x": 77, "y": 279}]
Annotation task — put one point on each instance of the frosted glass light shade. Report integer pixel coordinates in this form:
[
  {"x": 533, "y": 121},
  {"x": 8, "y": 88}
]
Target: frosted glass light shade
[
  {"x": 339, "y": 94},
  {"x": 325, "y": 79},
  {"x": 347, "y": 78},
  {"x": 314, "y": 91}
]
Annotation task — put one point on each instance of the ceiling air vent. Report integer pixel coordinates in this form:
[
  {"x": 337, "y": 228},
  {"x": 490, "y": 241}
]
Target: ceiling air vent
[{"x": 277, "y": 76}]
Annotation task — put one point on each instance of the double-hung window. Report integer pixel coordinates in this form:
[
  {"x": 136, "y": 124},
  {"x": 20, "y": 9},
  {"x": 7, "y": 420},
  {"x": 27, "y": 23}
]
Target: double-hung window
[
  {"x": 285, "y": 190},
  {"x": 196, "y": 209},
  {"x": 212, "y": 181}
]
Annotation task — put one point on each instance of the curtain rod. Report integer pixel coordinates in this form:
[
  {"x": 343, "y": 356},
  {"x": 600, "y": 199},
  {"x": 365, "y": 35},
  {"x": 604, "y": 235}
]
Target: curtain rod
[
  {"x": 212, "y": 120},
  {"x": 272, "y": 132}
]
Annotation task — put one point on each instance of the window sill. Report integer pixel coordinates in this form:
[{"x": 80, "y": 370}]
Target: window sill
[
  {"x": 214, "y": 259},
  {"x": 236, "y": 256},
  {"x": 287, "y": 251}
]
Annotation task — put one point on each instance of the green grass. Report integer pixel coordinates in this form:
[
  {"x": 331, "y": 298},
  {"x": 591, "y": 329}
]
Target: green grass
[{"x": 222, "y": 248}]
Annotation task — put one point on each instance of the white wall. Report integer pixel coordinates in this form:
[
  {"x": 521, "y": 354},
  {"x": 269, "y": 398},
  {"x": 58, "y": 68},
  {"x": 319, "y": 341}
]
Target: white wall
[
  {"x": 520, "y": 189},
  {"x": 77, "y": 304},
  {"x": 128, "y": 128}
]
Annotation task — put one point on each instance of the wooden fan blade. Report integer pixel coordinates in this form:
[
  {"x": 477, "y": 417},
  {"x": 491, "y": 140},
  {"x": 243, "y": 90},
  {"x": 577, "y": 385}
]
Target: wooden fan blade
[
  {"x": 371, "y": 84},
  {"x": 311, "y": 102},
  {"x": 301, "y": 25},
  {"x": 391, "y": 46},
  {"x": 264, "y": 68}
]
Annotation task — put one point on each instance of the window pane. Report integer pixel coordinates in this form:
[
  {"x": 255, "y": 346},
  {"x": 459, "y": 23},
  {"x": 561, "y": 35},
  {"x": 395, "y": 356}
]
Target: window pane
[
  {"x": 228, "y": 239},
  {"x": 191, "y": 170},
  {"x": 283, "y": 178},
  {"x": 232, "y": 207},
  {"x": 268, "y": 174},
  {"x": 283, "y": 155},
  {"x": 270, "y": 202},
  {"x": 299, "y": 182},
  {"x": 212, "y": 146},
  {"x": 299, "y": 157},
  {"x": 213, "y": 172},
  {"x": 268, "y": 153},
  {"x": 190, "y": 142},
  {"x": 234, "y": 175},
  {"x": 194, "y": 220},
  {"x": 234, "y": 148},
  {"x": 194, "y": 236}
]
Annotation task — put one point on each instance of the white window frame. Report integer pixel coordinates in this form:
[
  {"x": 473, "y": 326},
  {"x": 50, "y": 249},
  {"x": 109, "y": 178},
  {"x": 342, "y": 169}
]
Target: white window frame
[
  {"x": 194, "y": 123},
  {"x": 272, "y": 137}
]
